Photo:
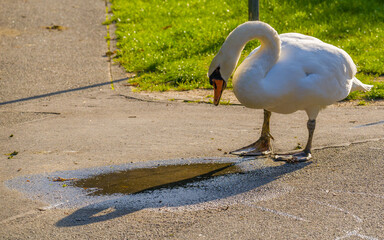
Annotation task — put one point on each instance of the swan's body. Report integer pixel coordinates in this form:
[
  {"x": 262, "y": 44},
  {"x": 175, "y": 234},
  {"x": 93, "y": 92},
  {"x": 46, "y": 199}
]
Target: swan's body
[
  {"x": 306, "y": 75},
  {"x": 288, "y": 72}
]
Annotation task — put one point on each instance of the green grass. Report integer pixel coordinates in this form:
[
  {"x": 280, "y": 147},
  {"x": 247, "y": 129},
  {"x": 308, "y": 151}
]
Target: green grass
[{"x": 170, "y": 44}]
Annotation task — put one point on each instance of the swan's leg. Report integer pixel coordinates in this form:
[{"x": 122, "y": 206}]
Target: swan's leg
[
  {"x": 304, "y": 155},
  {"x": 311, "y": 125},
  {"x": 263, "y": 145}
]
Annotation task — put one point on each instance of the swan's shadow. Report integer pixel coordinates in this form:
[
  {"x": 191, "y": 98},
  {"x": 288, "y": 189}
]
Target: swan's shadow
[{"x": 187, "y": 193}]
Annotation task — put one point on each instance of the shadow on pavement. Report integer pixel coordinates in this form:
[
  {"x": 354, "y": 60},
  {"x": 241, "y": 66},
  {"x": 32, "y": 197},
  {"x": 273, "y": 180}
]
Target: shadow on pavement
[{"x": 62, "y": 91}]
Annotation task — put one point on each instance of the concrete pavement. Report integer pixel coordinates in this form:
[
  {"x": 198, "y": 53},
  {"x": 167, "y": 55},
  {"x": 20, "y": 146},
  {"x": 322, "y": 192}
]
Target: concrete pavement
[{"x": 58, "y": 111}]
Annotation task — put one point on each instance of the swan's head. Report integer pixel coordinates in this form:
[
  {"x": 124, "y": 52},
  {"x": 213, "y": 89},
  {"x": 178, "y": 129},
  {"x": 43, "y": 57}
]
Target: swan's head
[
  {"x": 224, "y": 64},
  {"x": 218, "y": 83},
  {"x": 219, "y": 72}
]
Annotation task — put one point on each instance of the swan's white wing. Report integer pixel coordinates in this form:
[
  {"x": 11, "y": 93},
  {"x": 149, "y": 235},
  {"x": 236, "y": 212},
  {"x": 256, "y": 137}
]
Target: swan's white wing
[
  {"x": 309, "y": 72},
  {"x": 298, "y": 36},
  {"x": 290, "y": 36}
]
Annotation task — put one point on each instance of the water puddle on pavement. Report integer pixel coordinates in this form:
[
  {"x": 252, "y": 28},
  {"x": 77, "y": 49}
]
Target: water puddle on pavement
[
  {"x": 175, "y": 183},
  {"x": 141, "y": 180}
]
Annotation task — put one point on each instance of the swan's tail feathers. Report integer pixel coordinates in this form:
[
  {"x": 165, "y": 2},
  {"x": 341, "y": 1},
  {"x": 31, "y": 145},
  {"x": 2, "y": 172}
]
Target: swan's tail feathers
[{"x": 359, "y": 86}]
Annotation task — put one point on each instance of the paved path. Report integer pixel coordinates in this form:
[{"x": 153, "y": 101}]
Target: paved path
[{"x": 57, "y": 104}]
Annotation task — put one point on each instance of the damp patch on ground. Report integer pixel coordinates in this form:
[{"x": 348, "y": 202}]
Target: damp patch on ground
[{"x": 178, "y": 184}]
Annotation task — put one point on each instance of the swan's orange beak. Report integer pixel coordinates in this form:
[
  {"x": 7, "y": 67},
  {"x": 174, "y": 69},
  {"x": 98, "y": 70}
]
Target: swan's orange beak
[{"x": 218, "y": 88}]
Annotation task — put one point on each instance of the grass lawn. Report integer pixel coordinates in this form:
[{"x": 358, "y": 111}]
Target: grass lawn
[{"x": 170, "y": 44}]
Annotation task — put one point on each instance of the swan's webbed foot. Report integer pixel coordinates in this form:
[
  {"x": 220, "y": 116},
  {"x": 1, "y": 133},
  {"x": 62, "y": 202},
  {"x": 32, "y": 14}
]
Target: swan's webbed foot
[
  {"x": 294, "y": 158},
  {"x": 263, "y": 145},
  {"x": 258, "y": 148}
]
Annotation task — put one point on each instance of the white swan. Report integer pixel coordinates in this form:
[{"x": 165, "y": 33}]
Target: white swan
[{"x": 288, "y": 72}]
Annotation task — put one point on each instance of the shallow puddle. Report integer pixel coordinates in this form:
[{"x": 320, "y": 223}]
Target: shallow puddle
[
  {"x": 175, "y": 184},
  {"x": 141, "y": 180}
]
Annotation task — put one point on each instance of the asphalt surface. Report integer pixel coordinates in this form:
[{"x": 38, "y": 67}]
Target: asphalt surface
[{"x": 60, "y": 113}]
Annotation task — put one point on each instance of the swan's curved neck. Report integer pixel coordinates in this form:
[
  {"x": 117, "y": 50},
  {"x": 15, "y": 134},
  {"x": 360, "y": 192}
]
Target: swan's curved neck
[{"x": 234, "y": 44}]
